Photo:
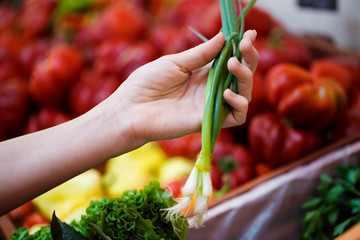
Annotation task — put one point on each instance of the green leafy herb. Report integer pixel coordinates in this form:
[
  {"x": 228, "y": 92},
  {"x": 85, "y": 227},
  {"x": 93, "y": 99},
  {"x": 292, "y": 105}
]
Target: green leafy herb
[
  {"x": 336, "y": 207},
  {"x": 134, "y": 215},
  {"x": 23, "y": 234}
]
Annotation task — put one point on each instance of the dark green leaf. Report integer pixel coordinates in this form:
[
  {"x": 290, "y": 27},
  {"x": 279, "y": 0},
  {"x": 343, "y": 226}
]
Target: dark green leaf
[
  {"x": 312, "y": 203},
  {"x": 355, "y": 205},
  {"x": 333, "y": 217},
  {"x": 62, "y": 231},
  {"x": 325, "y": 179},
  {"x": 334, "y": 193},
  {"x": 339, "y": 229},
  {"x": 353, "y": 175}
]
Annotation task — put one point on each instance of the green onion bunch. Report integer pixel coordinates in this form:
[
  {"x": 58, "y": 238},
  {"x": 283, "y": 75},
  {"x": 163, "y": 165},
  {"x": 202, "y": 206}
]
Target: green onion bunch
[{"x": 199, "y": 183}]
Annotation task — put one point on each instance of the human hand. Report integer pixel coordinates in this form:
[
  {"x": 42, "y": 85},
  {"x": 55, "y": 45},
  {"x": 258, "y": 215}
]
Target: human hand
[{"x": 166, "y": 98}]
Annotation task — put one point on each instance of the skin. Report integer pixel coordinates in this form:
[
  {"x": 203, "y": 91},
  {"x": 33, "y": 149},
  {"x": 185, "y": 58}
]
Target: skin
[{"x": 162, "y": 99}]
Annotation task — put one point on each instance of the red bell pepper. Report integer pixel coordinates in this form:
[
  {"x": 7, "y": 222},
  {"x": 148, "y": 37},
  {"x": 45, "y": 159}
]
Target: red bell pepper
[
  {"x": 53, "y": 75},
  {"x": 350, "y": 124},
  {"x": 91, "y": 89},
  {"x": 306, "y": 100},
  {"x": 14, "y": 102},
  {"x": 335, "y": 66},
  {"x": 232, "y": 166},
  {"x": 190, "y": 145},
  {"x": 45, "y": 118},
  {"x": 330, "y": 69},
  {"x": 275, "y": 143},
  {"x": 278, "y": 48},
  {"x": 258, "y": 101},
  {"x": 34, "y": 17}
]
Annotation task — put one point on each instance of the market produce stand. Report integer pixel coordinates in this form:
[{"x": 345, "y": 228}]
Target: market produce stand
[
  {"x": 270, "y": 207},
  {"x": 267, "y": 206}
]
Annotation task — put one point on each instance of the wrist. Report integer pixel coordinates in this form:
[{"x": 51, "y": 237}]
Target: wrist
[{"x": 114, "y": 127}]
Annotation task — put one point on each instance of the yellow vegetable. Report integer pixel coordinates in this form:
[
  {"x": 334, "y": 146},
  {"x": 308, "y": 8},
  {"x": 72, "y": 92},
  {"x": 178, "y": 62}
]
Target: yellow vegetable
[
  {"x": 149, "y": 157},
  {"x": 174, "y": 168},
  {"x": 71, "y": 196},
  {"x": 132, "y": 170}
]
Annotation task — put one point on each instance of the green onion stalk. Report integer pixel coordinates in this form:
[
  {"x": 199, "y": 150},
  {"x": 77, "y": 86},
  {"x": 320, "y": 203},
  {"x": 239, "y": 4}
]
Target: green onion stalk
[{"x": 199, "y": 184}]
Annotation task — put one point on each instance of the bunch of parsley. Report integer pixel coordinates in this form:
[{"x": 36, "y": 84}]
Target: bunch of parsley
[
  {"x": 134, "y": 215},
  {"x": 336, "y": 207}
]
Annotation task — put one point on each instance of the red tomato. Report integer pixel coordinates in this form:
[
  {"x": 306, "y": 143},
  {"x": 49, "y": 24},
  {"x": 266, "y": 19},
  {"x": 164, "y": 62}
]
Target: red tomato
[
  {"x": 14, "y": 102},
  {"x": 52, "y": 76},
  {"x": 35, "y": 218},
  {"x": 45, "y": 118}
]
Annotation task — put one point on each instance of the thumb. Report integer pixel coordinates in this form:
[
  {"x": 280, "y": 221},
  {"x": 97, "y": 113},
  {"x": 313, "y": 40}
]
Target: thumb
[{"x": 200, "y": 55}]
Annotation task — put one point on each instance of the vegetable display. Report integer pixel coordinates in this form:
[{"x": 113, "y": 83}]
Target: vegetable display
[
  {"x": 58, "y": 59},
  {"x": 134, "y": 215}
]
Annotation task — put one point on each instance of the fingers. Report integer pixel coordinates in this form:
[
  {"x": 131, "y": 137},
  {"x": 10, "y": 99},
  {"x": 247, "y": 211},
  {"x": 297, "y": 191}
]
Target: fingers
[
  {"x": 244, "y": 76},
  {"x": 239, "y": 105},
  {"x": 200, "y": 55},
  {"x": 250, "y": 55}
]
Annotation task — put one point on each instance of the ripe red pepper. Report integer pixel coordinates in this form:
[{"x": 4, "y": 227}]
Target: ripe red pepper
[
  {"x": 175, "y": 186},
  {"x": 260, "y": 20},
  {"x": 19, "y": 214},
  {"x": 34, "y": 219},
  {"x": 190, "y": 145},
  {"x": 32, "y": 52},
  {"x": 304, "y": 99},
  {"x": 350, "y": 124},
  {"x": 34, "y": 17},
  {"x": 90, "y": 90},
  {"x": 52, "y": 76},
  {"x": 232, "y": 166},
  {"x": 169, "y": 39},
  {"x": 278, "y": 47},
  {"x": 258, "y": 101},
  {"x": 121, "y": 58},
  {"x": 14, "y": 102},
  {"x": 119, "y": 20},
  {"x": 275, "y": 143},
  {"x": 330, "y": 69},
  {"x": 45, "y": 118}
]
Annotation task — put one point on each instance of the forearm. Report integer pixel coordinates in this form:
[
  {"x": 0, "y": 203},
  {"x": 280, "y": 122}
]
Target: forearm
[{"x": 35, "y": 163}]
